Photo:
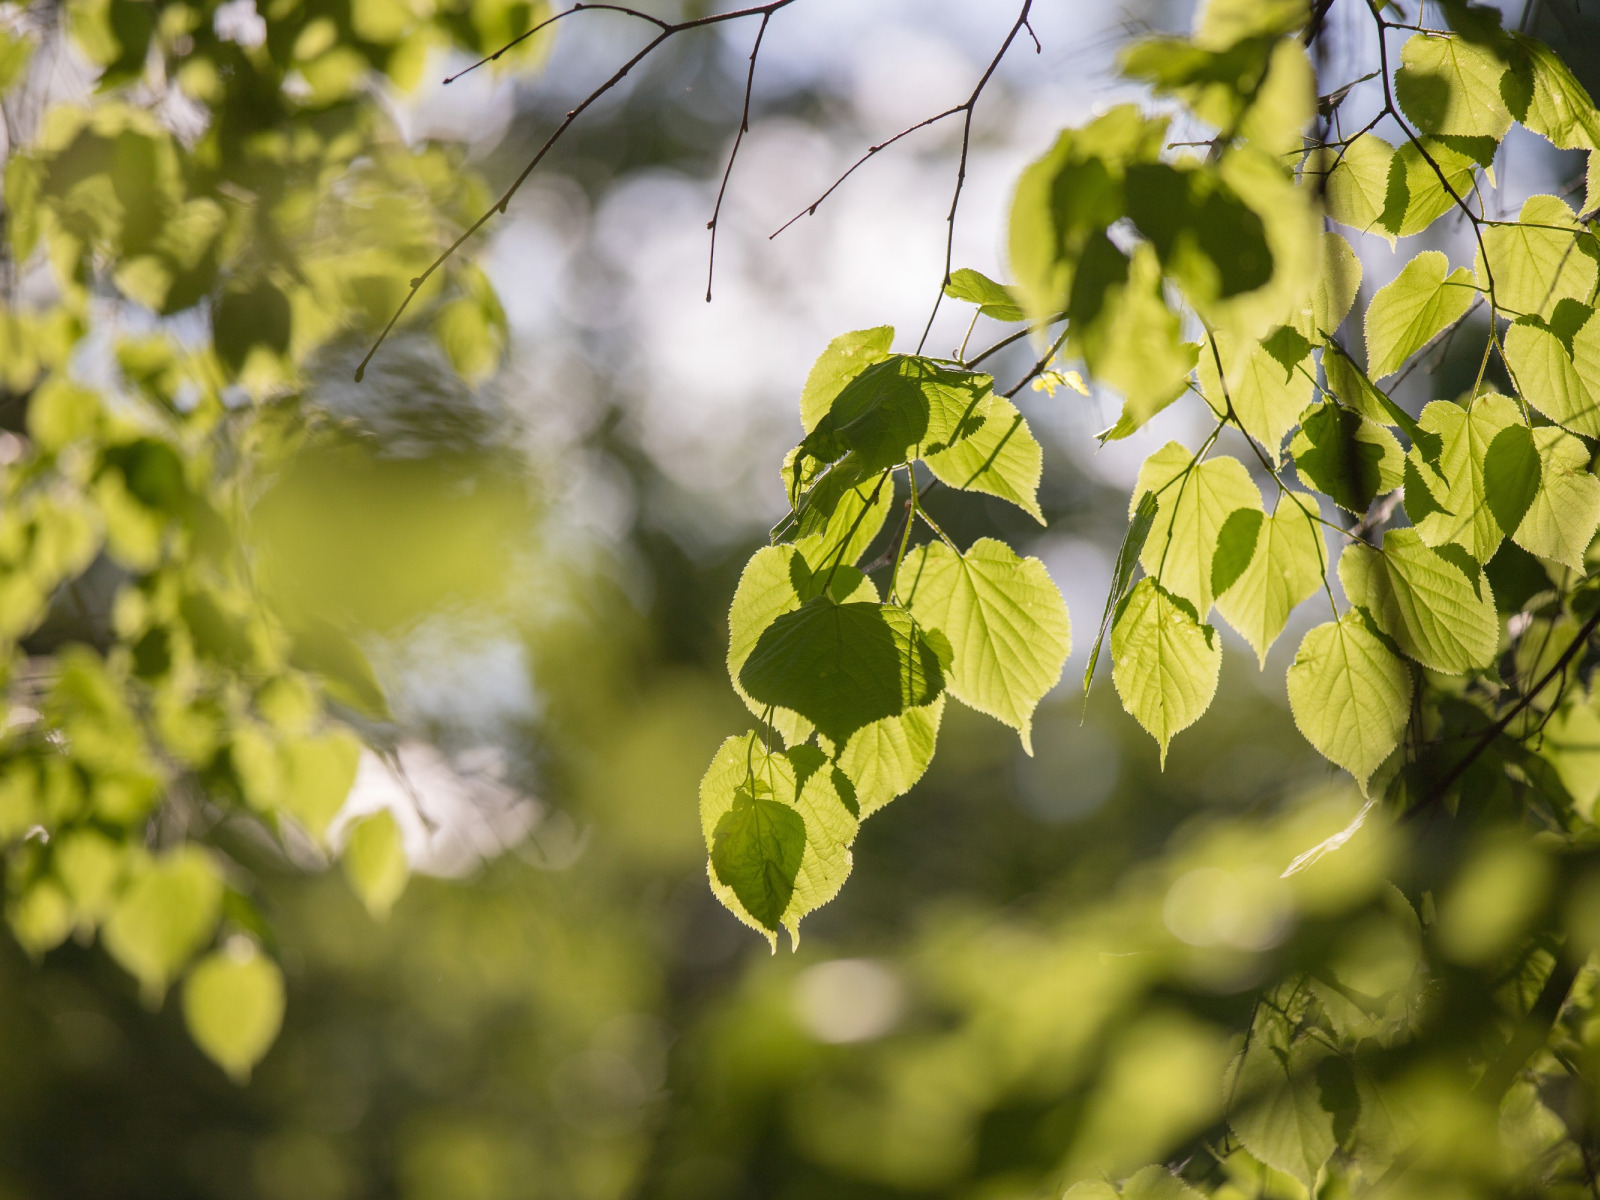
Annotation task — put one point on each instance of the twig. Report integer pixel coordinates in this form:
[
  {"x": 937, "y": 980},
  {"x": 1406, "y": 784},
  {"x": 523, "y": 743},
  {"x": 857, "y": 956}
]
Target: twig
[
  {"x": 744, "y": 128},
  {"x": 668, "y": 31},
  {"x": 548, "y": 21}
]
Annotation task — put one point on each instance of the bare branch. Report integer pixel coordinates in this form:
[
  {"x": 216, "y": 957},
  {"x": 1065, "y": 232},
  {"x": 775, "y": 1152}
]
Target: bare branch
[{"x": 744, "y": 127}]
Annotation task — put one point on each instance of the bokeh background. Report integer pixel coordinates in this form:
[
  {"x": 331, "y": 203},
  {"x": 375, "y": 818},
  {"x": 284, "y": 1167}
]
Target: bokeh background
[{"x": 1039, "y": 965}]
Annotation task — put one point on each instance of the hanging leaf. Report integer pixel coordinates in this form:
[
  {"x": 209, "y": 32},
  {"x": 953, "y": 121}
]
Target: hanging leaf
[
  {"x": 318, "y": 772},
  {"x": 1285, "y": 567},
  {"x": 994, "y": 300},
  {"x": 1001, "y": 458},
  {"x": 1276, "y": 1092},
  {"x": 1007, "y": 625},
  {"x": 1448, "y": 85},
  {"x": 1165, "y": 663},
  {"x": 1337, "y": 286},
  {"x": 884, "y": 759},
  {"x": 1357, "y": 183},
  {"x": 1266, "y": 393},
  {"x": 899, "y": 409},
  {"x": 375, "y": 862},
  {"x": 847, "y": 356},
  {"x": 1534, "y": 263},
  {"x": 1413, "y": 308},
  {"x": 167, "y": 911},
  {"x": 1141, "y": 517},
  {"x": 1425, "y": 602},
  {"x": 1550, "y": 101},
  {"x": 1193, "y": 500},
  {"x": 842, "y": 665},
  {"x": 1557, "y": 366},
  {"x": 1346, "y": 457},
  {"x": 1467, "y": 511},
  {"x": 1561, "y": 519},
  {"x": 758, "y": 853},
  {"x": 1417, "y": 196},
  {"x": 1350, "y": 695},
  {"x": 233, "y": 1006}
]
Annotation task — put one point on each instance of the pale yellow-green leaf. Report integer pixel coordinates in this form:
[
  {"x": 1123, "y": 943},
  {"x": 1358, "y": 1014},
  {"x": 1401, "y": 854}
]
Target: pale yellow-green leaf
[
  {"x": 1414, "y": 307},
  {"x": 1287, "y": 567},
  {"x": 1166, "y": 664},
  {"x": 1135, "y": 342},
  {"x": 1535, "y": 263},
  {"x": 167, "y": 911},
  {"x": 1572, "y": 743},
  {"x": 1001, "y": 459},
  {"x": 90, "y": 866},
  {"x": 884, "y": 759},
  {"x": 830, "y": 827},
  {"x": 1007, "y": 625},
  {"x": 1423, "y": 601},
  {"x": 1293, "y": 225},
  {"x": 1357, "y": 183},
  {"x": 1192, "y": 503},
  {"x": 1564, "y": 385},
  {"x": 858, "y": 516},
  {"x": 1591, "y": 185},
  {"x": 1350, "y": 695},
  {"x": 41, "y": 917},
  {"x": 847, "y": 356},
  {"x": 1560, "y": 523},
  {"x": 1284, "y": 103},
  {"x": 1157, "y": 1183},
  {"x": 318, "y": 772},
  {"x": 1465, "y": 434},
  {"x": 1337, "y": 284},
  {"x": 375, "y": 862},
  {"x": 1266, "y": 395},
  {"x": 1417, "y": 197},
  {"x": 1451, "y": 87},
  {"x": 1558, "y": 107},
  {"x": 233, "y": 1006},
  {"x": 766, "y": 591}
]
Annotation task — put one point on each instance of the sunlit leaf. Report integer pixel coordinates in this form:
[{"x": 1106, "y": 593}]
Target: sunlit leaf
[
  {"x": 1414, "y": 307},
  {"x": 1288, "y": 558},
  {"x": 1467, "y": 515},
  {"x": 1002, "y": 458},
  {"x": 1534, "y": 264},
  {"x": 1448, "y": 85},
  {"x": 375, "y": 862},
  {"x": 1350, "y": 695},
  {"x": 1557, "y": 367},
  {"x": 1165, "y": 663},
  {"x": 846, "y": 357},
  {"x": 233, "y": 1005},
  {"x": 1346, "y": 457},
  {"x": 1561, "y": 519},
  {"x": 1426, "y": 603},
  {"x": 1193, "y": 500},
  {"x": 167, "y": 912}
]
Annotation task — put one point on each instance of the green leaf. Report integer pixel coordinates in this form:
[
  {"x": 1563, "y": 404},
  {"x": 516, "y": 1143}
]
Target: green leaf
[
  {"x": 1591, "y": 186},
  {"x": 777, "y": 580},
  {"x": 884, "y": 759},
  {"x": 1276, "y": 1106},
  {"x": 1467, "y": 514},
  {"x": 1220, "y": 24},
  {"x": 847, "y": 356},
  {"x": 1511, "y": 471},
  {"x": 1236, "y": 546},
  {"x": 319, "y": 771},
  {"x": 1425, "y": 602},
  {"x": 1414, "y": 307},
  {"x": 1001, "y": 459},
  {"x": 800, "y": 781},
  {"x": 842, "y": 665},
  {"x": 840, "y": 514},
  {"x": 1553, "y": 103},
  {"x": 1346, "y": 457},
  {"x": 233, "y": 1006},
  {"x": 1267, "y": 394},
  {"x": 1208, "y": 239},
  {"x": 1357, "y": 184},
  {"x": 1557, "y": 367},
  {"x": 1451, "y": 86},
  {"x": 1193, "y": 500},
  {"x": 1157, "y": 1183},
  {"x": 375, "y": 862},
  {"x": 1007, "y": 625},
  {"x": 1350, "y": 695},
  {"x": 1350, "y": 383},
  {"x": 1166, "y": 664},
  {"x": 1416, "y": 197},
  {"x": 1561, "y": 520},
  {"x": 756, "y": 850},
  {"x": 167, "y": 912},
  {"x": 1140, "y": 519},
  {"x": 898, "y": 409},
  {"x": 1536, "y": 267},
  {"x": 1337, "y": 284},
  {"x": 1286, "y": 566},
  {"x": 994, "y": 300}
]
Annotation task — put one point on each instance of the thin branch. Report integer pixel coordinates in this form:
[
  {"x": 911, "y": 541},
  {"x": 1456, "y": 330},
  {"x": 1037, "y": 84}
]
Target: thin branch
[
  {"x": 548, "y": 21},
  {"x": 1038, "y": 367},
  {"x": 764, "y": 11},
  {"x": 744, "y": 128}
]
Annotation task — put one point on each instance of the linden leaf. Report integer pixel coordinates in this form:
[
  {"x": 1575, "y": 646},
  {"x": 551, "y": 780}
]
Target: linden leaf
[
  {"x": 1413, "y": 308},
  {"x": 233, "y": 1006},
  {"x": 1193, "y": 500},
  {"x": 1165, "y": 663},
  {"x": 1535, "y": 264},
  {"x": 167, "y": 911},
  {"x": 1266, "y": 393},
  {"x": 1451, "y": 86},
  {"x": 1557, "y": 368},
  {"x": 1350, "y": 695},
  {"x": 1425, "y": 602},
  {"x": 1007, "y": 625},
  {"x": 847, "y": 356},
  {"x": 1561, "y": 520},
  {"x": 884, "y": 759},
  {"x": 1346, "y": 457},
  {"x": 1286, "y": 567},
  {"x": 375, "y": 862},
  {"x": 1467, "y": 515},
  {"x": 1002, "y": 458}
]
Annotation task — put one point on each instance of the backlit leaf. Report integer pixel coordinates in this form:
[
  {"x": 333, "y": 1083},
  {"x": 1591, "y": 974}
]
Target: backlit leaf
[
  {"x": 898, "y": 409},
  {"x": 993, "y": 299},
  {"x": 1165, "y": 663},
  {"x": 233, "y": 1006},
  {"x": 1447, "y": 85},
  {"x": 1001, "y": 459},
  {"x": 1007, "y": 625},
  {"x": 1193, "y": 500},
  {"x": 1561, "y": 520},
  {"x": 1346, "y": 457},
  {"x": 1557, "y": 368},
  {"x": 1337, "y": 285},
  {"x": 167, "y": 911},
  {"x": 1266, "y": 394},
  {"x": 1467, "y": 515},
  {"x": 1286, "y": 567},
  {"x": 1413, "y": 308},
  {"x": 884, "y": 759},
  {"x": 1535, "y": 263},
  {"x": 1557, "y": 106},
  {"x": 1357, "y": 183},
  {"x": 375, "y": 862},
  {"x": 847, "y": 356},
  {"x": 1350, "y": 695},
  {"x": 1423, "y": 601}
]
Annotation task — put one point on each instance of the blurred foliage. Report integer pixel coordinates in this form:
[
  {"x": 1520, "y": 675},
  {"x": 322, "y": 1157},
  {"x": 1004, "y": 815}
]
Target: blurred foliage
[{"x": 1048, "y": 973}]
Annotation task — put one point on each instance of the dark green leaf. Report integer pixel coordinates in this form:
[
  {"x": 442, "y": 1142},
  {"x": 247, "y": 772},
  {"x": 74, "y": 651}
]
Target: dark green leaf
[
  {"x": 1236, "y": 546},
  {"x": 1511, "y": 471},
  {"x": 756, "y": 851}
]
